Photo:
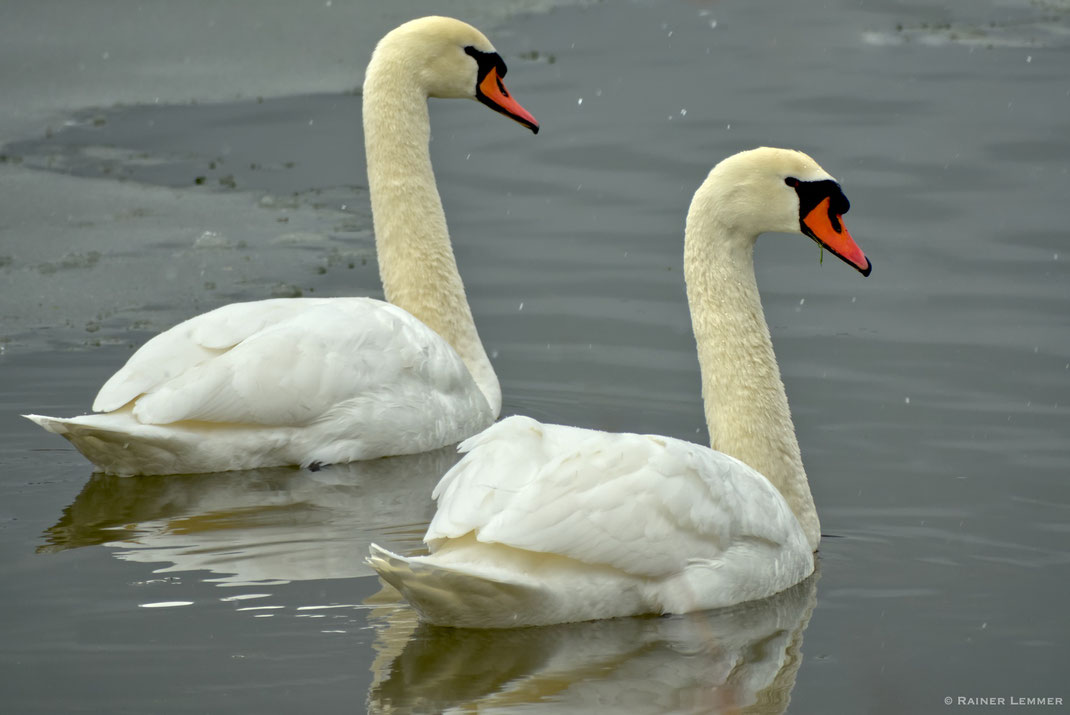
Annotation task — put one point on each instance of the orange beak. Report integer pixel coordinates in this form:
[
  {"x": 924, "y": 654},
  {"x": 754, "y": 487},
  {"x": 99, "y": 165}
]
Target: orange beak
[
  {"x": 493, "y": 93},
  {"x": 830, "y": 231}
]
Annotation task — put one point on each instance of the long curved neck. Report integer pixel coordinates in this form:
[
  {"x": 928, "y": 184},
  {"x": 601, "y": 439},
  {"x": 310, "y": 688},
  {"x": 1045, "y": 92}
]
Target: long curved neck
[
  {"x": 416, "y": 261},
  {"x": 746, "y": 406}
]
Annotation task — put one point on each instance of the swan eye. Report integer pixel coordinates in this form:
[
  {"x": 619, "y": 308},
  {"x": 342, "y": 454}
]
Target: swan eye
[
  {"x": 791, "y": 181},
  {"x": 486, "y": 61}
]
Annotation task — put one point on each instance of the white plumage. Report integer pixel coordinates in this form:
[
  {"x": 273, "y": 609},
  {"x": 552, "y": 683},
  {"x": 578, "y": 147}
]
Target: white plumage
[
  {"x": 284, "y": 381},
  {"x": 571, "y": 524},
  {"x": 542, "y": 524}
]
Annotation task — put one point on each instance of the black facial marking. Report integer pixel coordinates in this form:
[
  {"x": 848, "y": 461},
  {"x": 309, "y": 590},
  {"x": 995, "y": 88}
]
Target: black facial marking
[
  {"x": 811, "y": 193},
  {"x": 486, "y": 61}
]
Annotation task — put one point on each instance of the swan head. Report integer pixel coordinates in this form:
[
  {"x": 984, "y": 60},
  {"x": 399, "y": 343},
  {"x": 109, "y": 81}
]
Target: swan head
[
  {"x": 451, "y": 59},
  {"x": 783, "y": 191}
]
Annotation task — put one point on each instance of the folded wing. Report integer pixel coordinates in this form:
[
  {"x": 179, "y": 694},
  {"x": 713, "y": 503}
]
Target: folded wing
[
  {"x": 285, "y": 362},
  {"x": 646, "y": 505}
]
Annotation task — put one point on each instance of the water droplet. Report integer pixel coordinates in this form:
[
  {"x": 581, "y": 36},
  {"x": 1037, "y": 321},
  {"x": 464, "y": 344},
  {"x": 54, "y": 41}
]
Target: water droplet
[
  {"x": 1029, "y": 59},
  {"x": 521, "y": 307},
  {"x": 906, "y": 400},
  {"x": 728, "y": 126},
  {"x": 713, "y": 24},
  {"x": 802, "y": 300},
  {"x": 683, "y": 112},
  {"x": 579, "y": 101}
]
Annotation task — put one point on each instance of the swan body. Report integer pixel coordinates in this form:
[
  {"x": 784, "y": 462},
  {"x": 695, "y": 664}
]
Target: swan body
[
  {"x": 300, "y": 381},
  {"x": 542, "y": 524},
  {"x": 283, "y": 381},
  {"x": 622, "y": 524}
]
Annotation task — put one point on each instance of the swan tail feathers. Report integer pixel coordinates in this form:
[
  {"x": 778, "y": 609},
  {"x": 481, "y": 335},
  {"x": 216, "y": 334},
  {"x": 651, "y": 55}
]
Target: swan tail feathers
[
  {"x": 115, "y": 443},
  {"x": 449, "y": 596},
  {"x": 55, "y": 425}
]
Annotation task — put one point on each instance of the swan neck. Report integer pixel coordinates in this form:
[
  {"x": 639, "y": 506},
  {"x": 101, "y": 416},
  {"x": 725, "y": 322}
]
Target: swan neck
[
  {"x": 745, "y": 403},
  {"x": 416, "y": 262}
]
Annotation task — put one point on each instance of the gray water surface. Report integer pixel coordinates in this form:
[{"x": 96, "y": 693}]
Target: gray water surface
[{"x": 930, "y": 399}]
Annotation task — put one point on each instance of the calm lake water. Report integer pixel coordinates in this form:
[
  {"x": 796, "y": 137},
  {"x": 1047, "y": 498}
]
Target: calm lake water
[{"x": 931, "y": 399}]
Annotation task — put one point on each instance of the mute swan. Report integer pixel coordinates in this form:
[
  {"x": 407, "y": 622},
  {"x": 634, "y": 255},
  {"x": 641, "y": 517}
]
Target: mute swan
[
  {"x": 323, "y": 380},
  {"x": 541, "y": 524}
]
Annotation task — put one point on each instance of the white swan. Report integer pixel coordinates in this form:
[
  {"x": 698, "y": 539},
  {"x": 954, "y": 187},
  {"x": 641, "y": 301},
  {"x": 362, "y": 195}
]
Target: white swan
[
  {"x": 310, "y": 380},
  {"x": 542, "y": 524}
]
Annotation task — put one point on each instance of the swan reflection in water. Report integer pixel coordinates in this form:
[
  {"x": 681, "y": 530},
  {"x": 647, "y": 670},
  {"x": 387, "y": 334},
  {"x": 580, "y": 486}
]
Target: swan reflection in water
[
  {"x": 742, "y": 659},
  {"x": 278, "y": 525},
  {"x": 258, "y": 526}
]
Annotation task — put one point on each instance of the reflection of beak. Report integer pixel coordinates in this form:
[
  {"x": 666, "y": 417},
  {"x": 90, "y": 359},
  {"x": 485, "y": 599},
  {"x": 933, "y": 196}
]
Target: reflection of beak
[
  {"x": 829, "y": 230},
  {"x": 493, "y": 93}
]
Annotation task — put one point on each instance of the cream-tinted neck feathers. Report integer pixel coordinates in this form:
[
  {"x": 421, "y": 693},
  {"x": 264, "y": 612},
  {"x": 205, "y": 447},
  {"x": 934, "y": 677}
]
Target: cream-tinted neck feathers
[
  {"x": 419, "y": 59},
  {"x": 746, "y": 407}
]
